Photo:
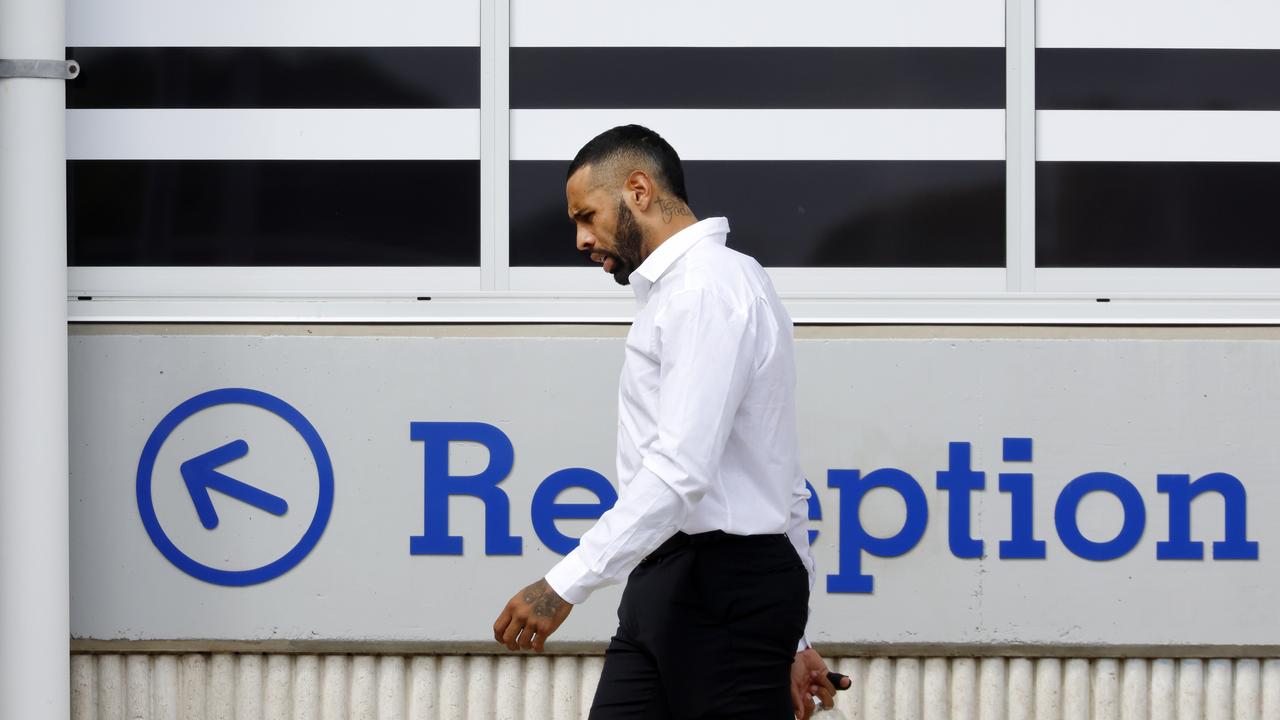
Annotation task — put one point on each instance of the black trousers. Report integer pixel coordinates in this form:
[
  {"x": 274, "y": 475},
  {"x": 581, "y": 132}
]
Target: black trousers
[{"x": 707, "y": 628}]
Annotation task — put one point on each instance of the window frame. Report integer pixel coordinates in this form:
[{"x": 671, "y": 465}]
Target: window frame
[{"x": 1020, "y": 293}]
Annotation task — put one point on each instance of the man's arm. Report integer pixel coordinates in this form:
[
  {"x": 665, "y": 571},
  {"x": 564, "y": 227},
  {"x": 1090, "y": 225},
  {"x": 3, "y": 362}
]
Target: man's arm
[
  {"x": 706, "y": 354},
  {"x": 798, "y": 534}
]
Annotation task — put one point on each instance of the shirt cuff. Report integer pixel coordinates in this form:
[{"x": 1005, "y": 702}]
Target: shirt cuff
[
  {"x": 572, "y": 579},
  {"x": 803, "y": 644}
]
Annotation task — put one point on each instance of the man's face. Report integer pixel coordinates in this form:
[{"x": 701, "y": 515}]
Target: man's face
[{"x": 607, "y": 231}]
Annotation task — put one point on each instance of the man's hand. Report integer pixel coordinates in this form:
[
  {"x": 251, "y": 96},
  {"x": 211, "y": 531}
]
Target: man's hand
[
  {"x": 534, "y": 613},
  {"x": 809, "y": 678}
]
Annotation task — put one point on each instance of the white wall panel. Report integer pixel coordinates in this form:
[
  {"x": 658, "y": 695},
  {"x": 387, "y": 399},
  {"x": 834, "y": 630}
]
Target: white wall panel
[
  {"x": 816, "y": 23},
  {"x": 292, "y": 282},
  {"x": 199, "y": 686},
  {"x": 774, "y": 134},
  {"x": 1158, "y": 23},
  {"x": 786, "y": 280},
  {"x": 1167, "y": 281},
  {"x": 284, "y": 23},
  {"x": 1166, "y": 407},
  {"x": 274, "y": 134},
  {"x": 1158, "y": 135}
]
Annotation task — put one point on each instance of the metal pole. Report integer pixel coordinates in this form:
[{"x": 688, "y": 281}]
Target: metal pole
[{"x": 34, "y": 588}]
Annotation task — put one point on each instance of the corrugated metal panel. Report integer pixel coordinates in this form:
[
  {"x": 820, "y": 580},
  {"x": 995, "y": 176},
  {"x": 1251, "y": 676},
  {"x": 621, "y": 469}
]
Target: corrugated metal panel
[{"x": 224, "y": 686}]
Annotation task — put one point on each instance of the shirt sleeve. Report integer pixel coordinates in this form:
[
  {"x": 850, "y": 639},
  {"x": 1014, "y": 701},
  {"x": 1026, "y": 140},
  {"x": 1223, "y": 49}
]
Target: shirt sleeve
[
  {"x": 798, "y": 534},
  {"x": 706, "y": 354}
]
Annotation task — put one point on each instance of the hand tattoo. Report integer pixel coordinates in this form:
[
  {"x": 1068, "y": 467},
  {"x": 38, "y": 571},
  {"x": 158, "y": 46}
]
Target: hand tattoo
[
  {"x": 545, "y": 601},
  {"x": 671, "y": 208}
]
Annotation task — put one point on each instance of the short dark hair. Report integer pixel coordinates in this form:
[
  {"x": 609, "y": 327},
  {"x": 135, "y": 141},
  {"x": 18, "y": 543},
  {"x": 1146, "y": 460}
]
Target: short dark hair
[{"x": 643, "y": 144}]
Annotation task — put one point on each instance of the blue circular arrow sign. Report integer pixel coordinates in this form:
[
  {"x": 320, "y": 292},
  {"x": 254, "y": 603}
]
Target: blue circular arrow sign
[{"x": 200, "y": 474}]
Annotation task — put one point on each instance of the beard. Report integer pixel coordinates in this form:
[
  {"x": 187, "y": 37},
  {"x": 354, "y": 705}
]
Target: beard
[{"x": 627, "y": 242}]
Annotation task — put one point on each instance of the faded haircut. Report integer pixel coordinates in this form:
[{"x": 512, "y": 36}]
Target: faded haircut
[{"x": 621, "y": 150}]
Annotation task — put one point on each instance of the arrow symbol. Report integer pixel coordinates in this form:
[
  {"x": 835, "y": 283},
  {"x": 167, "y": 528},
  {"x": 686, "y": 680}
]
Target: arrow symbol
[{"x": 201, "y": 476}]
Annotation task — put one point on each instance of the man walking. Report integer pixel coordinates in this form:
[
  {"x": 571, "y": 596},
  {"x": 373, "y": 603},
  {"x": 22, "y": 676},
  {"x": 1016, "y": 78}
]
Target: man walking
[{"x": 710, "y": 527}]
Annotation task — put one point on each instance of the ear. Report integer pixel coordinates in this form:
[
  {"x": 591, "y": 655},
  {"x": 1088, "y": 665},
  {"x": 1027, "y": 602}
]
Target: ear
[{"x": 640, "y": 189}]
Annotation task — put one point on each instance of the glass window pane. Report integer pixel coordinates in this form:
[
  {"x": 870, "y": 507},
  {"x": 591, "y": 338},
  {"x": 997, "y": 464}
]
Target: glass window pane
[
  {"x": 247, "y": 187},
  {"x": 804, "y": 214},
  {"x": 1151, "y": 148},
  {"x": 273, "y": 212}
]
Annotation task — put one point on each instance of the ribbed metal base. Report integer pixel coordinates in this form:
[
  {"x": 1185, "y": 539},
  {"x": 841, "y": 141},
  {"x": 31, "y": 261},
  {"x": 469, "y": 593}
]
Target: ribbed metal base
[{"x": 235, "y": 686}]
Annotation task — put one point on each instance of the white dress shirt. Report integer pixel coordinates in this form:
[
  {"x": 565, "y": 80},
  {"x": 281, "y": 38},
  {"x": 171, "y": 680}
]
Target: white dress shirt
[{"x": 706, "y": 413}]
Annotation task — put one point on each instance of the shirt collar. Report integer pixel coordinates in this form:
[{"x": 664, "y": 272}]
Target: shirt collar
[{"x": 672, "y": 249}]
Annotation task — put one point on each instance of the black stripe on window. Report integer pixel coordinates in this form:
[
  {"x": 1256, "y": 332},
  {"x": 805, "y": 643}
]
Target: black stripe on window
[
  {"x": 273, "y": 212},
  {"x": 757, "y": 77},
  {"x": 1159, "y": 214},
  {"x": 804, "y": 213},
  {"x": 275, "y": 77},
  {"x": 1157, "y": 79}
]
